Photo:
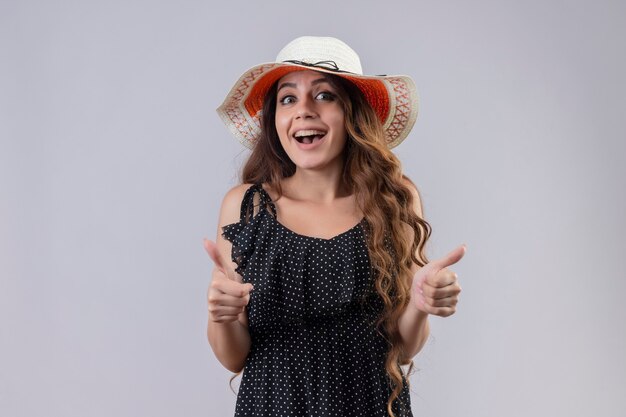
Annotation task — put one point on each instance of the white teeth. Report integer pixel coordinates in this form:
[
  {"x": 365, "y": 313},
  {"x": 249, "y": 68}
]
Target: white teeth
[{"x": 308, "y": 133}]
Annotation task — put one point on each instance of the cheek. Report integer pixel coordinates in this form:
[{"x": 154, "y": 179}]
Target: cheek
[
  {"x": 338, "y": 124},
  {"x": 282, "y": 125},
  {"x": 335, "y": 117}
]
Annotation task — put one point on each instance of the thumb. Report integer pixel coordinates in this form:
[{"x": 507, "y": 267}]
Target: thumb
[
  {"x": 451, "y": 258},
  {"x": 217, "y": 258},
  {"x": 214, "y": 254}
]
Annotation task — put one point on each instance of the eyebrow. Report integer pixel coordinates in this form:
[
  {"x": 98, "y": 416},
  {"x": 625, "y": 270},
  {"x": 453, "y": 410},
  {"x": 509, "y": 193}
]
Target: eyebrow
[{"x": 293, "y": 85}]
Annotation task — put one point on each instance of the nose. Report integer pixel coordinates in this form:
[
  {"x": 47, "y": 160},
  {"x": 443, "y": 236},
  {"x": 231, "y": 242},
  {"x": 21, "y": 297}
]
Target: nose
[{"x": 305, "y": 108}]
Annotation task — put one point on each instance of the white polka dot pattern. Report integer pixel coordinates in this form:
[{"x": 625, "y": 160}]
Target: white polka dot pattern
[{"x": 315, "y": 349}]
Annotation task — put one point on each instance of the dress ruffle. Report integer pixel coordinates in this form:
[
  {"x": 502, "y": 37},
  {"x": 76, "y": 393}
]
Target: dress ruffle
[
  {"x": 243, "y": 237},
  {"x": 297, "y": 278}
]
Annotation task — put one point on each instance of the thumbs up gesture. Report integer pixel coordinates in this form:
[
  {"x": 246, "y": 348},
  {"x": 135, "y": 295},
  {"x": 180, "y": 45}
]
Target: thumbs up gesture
[
  {"x": 228, "y": 295},
  {"x": 435, "y": 289}
]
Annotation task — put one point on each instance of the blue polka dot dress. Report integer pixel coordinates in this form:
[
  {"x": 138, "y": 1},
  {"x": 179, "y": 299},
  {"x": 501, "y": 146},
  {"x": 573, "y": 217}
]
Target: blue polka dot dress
[{"x": 315, "y": 349}]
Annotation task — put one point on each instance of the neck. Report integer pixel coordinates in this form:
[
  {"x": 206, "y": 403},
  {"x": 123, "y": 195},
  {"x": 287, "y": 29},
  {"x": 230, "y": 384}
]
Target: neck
[{"x": 319, "y": 186}]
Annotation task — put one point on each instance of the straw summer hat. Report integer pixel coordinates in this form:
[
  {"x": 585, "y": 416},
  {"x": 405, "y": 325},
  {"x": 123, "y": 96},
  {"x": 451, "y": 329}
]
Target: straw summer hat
[{"x": 393, "y": 97}]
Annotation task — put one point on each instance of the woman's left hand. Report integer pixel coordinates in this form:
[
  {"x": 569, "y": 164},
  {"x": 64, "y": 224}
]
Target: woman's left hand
[{"x": 435, "y": 289}]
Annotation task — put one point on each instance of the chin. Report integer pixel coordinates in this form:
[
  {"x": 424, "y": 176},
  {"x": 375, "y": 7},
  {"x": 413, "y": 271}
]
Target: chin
[
  {"x": 314, "y": 163},
  {"x": 309, "y": 164}
]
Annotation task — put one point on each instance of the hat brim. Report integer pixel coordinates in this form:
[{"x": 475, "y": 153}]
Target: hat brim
[{"x": 393, "y": 97}]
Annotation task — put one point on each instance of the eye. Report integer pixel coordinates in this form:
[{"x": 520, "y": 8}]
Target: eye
[
  {"x": 326, "y": 96},
  {"x": 287, "y": 100}
]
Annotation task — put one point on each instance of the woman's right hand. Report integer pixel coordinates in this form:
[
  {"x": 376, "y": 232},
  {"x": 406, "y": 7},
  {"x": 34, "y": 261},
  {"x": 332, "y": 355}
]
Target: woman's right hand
[{"x": 228, "y": 296}]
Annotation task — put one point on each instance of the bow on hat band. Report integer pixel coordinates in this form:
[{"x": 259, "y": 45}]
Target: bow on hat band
[{"x": 327, "y": 65}]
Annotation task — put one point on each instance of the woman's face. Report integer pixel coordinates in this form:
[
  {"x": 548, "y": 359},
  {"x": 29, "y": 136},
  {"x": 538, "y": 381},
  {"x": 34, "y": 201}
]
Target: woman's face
[{"x": 310, "y": 120}]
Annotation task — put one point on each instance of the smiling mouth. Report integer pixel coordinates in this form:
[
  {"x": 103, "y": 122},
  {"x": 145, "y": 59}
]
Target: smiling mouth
[{"x": 309, "y": 136}]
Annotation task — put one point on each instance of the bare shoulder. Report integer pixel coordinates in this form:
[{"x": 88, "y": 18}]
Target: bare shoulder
[
  {"x": 417, "y": 200},
  {"x": 231, "y": 204}
]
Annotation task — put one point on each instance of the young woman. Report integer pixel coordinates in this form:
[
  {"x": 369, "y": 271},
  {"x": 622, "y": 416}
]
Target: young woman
[{"x": 321, "y": 289}]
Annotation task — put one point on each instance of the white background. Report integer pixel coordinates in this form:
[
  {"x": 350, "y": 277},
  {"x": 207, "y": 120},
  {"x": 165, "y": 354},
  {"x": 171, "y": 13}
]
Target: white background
[{"x": 113, "y": 164}]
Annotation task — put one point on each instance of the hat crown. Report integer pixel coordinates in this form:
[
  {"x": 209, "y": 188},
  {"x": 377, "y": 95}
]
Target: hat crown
[{"x": 316, "y": 49}]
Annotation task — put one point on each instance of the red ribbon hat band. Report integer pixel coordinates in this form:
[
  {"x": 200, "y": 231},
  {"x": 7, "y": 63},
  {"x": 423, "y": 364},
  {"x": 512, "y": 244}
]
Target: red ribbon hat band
[{"x": 393, "y": 97}]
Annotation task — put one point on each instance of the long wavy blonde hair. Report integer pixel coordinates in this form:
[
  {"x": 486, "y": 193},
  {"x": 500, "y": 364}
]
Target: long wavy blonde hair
[{"x": 396, "y": 235}]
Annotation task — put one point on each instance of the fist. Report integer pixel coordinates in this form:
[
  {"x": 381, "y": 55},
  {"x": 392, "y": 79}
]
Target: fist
[{"x": 435, "y": 289}]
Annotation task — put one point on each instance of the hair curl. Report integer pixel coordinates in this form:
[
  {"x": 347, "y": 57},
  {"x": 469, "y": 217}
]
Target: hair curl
[{"x": 396, "y": 235}]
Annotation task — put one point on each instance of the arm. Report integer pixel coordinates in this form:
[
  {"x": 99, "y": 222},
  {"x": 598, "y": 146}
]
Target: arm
[
  {"x": 413, "y": 324},
  {"x": 230, "y": 343},
  {"x": 230, "y": 340},
  {"x": 434, "y": 291},
  {"x": 414, "y": 329}
]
